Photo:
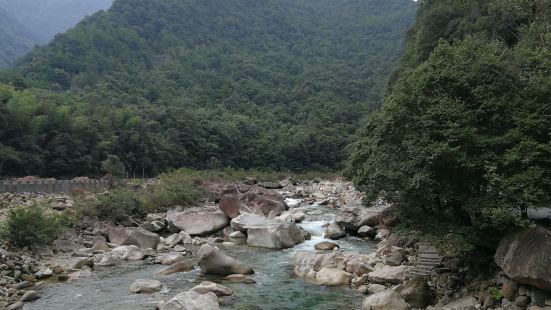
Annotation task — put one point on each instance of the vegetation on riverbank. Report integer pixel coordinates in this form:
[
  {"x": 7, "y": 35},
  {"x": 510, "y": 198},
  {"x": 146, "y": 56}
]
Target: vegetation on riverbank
[{"x": 462, "y": 138}]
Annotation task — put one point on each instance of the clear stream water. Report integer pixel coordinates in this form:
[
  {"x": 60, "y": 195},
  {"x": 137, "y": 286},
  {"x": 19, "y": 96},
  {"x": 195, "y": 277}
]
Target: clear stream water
[{"x": 276, "y": 288}]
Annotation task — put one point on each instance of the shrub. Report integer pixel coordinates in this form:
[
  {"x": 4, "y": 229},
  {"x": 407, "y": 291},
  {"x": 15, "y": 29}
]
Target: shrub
[
  {"x": 26, "y": 226},
  {"x": 115, "y": 205},
  {"x": 174, "y": 188}
]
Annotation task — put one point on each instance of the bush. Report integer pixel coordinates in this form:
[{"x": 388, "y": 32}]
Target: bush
[
  {"x": 26, "y": 226},
  {"x": 174, "y": 188},
  {"x": 115, "y": 205}
]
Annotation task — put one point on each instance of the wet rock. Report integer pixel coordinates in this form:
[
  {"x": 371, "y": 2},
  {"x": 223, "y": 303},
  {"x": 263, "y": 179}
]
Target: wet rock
[
  {"x": 171, "y": 258},
  {"x": 237, "y": 234},
  {"x": 16, "y": 306},
  {"x": 240, "y": 278},
  {"x": 334, "y": 231},
  {"x": 525, "y": 256},
  {"x": 352, "y": 218},
  {"x": 211, "y": 287},
  {"x": 326, "y": 246},
  {"x": 183, "y": 266},
  {"x": 79, "y": 263},
  {"x": 275, "y": 235},
  {"x": 385, "y": 300},
  {"x": 367, "y": 231},
  {"x": 214, "y": 261},
  {"x": 29, "y": 296},
  {"x": 389, "y": 274},
  {"x": 144, "y": 286},
  {"x": 44, "y": 273},
  {"x": 200, "y": 224},
  {"x": 417, "y": 293},
  {"x": 192, "y": 301},
  {"x": 133, "y": 236}
]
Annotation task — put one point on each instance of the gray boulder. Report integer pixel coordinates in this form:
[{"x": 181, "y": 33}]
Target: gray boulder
[
  {"x": 334, "y": 231},
  {"x": 133, "y": 236},
  {"x": 386, "y": 300},
  {"x": 200, "y": 224},
  {"x": 211, "y": 287},
  {"x": 525, "y": 256},
  {"x": 192, "y": 301},
  {"x": 245, "y": 221},
  {"x": 352, "y": 218},
  {"x": 213, "y": 261},
  {"x": 275, "y": 235}
]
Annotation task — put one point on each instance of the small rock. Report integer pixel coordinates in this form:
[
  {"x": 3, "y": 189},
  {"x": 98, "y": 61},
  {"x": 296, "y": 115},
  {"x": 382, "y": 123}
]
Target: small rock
[
  {"x": 211, "y": 287},
  {"x": 237, "y": 234},
  {"x": 240, "y": 278},
  {"x": 29, "y": 296},
  {"x": 367, "y": 231},
  {"x": 16, "y": 306},
  {"x": 375, "y": 288},
  {"x": 183, "y": 266},
  {"x": 143, "y": 286},
  {"x": 78, "y": 264},
  {"x": 326, "y": 246},
  {"x": 334, "y": 231},
  {"x": 44, "y": 273}
]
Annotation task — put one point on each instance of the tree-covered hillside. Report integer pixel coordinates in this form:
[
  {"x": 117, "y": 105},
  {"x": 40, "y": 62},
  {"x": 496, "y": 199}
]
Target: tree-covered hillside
[
  {"x": 15, "y": 38},
  {"x": 278, "y": 84},
  {"x": 465, "y": 132},
  {"x": 25, "y": 23}
]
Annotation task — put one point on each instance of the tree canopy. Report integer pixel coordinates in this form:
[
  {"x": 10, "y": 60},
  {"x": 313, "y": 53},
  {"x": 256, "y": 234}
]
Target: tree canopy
[
  {"x": 268, "y": 84},
  {"x": 464, "y": 131}
]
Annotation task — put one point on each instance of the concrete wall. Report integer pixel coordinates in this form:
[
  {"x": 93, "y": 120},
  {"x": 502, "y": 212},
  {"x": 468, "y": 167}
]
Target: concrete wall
[{"x": 52, "y": 186}]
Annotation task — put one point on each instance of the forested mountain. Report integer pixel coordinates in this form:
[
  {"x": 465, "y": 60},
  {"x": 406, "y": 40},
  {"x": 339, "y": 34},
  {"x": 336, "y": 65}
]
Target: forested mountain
[
  {"x": 25, "y": 23},
  {"x": 277, "y": 84},
  {"x": 15, "y": 38},
  {"x": 464, "y": 133}
]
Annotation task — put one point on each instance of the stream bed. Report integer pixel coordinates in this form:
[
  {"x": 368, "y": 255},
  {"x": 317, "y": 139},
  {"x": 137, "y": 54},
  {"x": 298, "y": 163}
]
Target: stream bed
[{"x": 276, "y": 288}]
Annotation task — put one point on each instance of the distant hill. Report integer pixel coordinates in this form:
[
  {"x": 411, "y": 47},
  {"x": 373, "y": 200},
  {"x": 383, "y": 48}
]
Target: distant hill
[
  {"x": 276, "y": 84},
  {"x": 24, "y": 23}
]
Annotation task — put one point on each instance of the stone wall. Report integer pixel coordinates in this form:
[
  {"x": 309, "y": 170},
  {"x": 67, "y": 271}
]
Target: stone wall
[{"x": 52, "y": 186}]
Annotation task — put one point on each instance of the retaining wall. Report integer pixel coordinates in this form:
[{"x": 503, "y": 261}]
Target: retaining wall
[{"x": 52, "y": 186}]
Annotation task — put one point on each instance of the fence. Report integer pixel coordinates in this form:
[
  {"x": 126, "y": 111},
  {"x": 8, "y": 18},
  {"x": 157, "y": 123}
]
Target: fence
[{"x": 52, "y": 186}]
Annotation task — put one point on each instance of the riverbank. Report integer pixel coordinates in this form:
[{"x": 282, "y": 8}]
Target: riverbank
[{"x": 311, "y": 244}]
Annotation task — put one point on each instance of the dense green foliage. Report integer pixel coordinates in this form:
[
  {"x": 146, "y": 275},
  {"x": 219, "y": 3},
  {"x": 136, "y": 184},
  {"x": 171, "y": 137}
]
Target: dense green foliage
[
  {"x": 33, "y": 225},
  {"x": 14, "y": 37},
  {"x": 278, "y": 85},
  {"x": 464, "y": 133},
  {"x": 24, "y": 23}
]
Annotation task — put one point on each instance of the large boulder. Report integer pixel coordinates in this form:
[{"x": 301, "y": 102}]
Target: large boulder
[
  {"x": 334, "y": 231},
  {"x": 192, "y": 301},
  {"x": 353, "y": 218},
  {"x": 213, "y": 261},
  {"x": 332, "y": 277},
  {"x": 417, "y": 293},
  {"x": 232, "y": 206},
  {"x": 389, "y": 274},
  {"x": 385, "y": 300},
  {"x": 525, "y": 256},
  {"x": 248, "y": 220},
  {"x": 200, "y": 224},
  {"x": 322, "y": 269},
  {"x": 133, "y": 236},
  {"x": 263, "y": 201},
  {"x": 275, "y": 235}
]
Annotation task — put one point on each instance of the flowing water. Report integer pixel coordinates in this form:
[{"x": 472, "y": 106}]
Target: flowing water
[{"x": 276, "y": 287}]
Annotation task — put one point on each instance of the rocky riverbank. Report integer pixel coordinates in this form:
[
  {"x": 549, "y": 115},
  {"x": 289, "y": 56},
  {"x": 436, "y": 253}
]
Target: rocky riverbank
[{"x": 391, "y": 272}]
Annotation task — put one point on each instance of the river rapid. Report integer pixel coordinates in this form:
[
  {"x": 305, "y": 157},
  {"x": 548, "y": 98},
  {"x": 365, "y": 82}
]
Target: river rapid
[{"x": 276, "y": 286}]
